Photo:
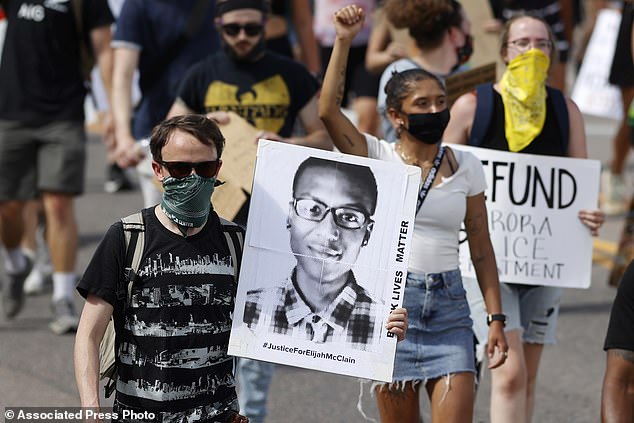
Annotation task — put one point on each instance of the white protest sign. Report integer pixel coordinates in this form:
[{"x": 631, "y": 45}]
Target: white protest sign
[
  {"x": 532, "y": 203},
  {"x": 592, "y": 92},
  {"x": 325, "y": 259}
]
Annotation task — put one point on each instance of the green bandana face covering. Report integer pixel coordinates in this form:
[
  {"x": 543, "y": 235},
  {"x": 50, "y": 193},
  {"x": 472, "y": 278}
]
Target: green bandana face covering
[{"x": 187, "y": 201}]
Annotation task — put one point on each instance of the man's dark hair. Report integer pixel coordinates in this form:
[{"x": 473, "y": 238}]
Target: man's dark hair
[
  {"x": 224, "y": 6},
  {"x": 360, "y": 176},
  {"x": 204, "y": 130}
]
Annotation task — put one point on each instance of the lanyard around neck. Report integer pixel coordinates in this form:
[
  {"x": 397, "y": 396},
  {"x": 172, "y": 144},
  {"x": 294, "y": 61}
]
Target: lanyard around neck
[{"x": 422, "y": 194}]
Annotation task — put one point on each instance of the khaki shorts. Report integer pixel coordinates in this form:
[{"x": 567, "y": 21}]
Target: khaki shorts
[{"x": 49, "y": 158}]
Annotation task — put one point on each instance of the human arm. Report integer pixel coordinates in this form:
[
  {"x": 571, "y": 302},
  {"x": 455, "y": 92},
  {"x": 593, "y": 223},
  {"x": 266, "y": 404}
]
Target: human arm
[
  {"x": 316, "y": 135},
  {"x": 100, "y": 38},
  {"x": 483, "y": 258},
  {"x": 382, "y": 50},
  {"x": 617, "y": 396},
  {"x": 577, "y": 139},
  {"x": 92, "y": 326},
  {"x": 462, "y": 112},
  {"x": 397, "y": 323},
  {"x": 303, "y": 24},
  {"x": 346, "y": 137},
  {"x": 592, "y": 218},
  {"x": 126, "y": 61}
]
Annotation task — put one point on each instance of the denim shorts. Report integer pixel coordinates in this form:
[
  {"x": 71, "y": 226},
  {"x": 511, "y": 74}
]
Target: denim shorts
[
  {"x": 534, "y": 309},
  {"x": 439, "y": 338}
]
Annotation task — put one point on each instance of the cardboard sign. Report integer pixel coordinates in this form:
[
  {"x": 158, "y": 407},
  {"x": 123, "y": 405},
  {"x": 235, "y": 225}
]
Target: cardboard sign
[
  {"x": 464, "y": 82},
  {"x": 532, "y": 203},
  {"x": 592, "y": 91},
  {"x": 238, "y": 162},
  {"x": 486, "y": 45},
  {"x": 325, "y": 260}
]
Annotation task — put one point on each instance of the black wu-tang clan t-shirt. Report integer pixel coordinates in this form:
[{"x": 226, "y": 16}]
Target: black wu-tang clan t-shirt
[
  {"x": 173, "y": 348},
  {"x": 268, "y": 93}
]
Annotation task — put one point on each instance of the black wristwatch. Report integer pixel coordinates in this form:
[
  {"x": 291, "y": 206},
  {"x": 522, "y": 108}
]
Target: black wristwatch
[{"x": 496, "y": 317}]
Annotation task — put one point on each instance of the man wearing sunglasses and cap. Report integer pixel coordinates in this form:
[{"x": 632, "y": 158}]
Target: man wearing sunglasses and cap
[
  {"x": 329, "y": 220},
  {"x": 172, "y": 330},
  {"x": 268, "y": 90}
]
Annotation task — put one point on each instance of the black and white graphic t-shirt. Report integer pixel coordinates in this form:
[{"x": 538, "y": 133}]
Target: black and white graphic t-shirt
[{"x": 172, "y": 348}]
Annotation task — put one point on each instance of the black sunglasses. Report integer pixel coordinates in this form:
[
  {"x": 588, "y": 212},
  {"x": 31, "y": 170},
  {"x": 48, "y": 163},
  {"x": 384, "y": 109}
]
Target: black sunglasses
[
  {"x": 251, "y": 29},
  {"x": 181, "y": 170}
]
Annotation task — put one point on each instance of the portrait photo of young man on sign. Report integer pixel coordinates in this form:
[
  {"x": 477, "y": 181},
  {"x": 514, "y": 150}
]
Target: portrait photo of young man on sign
[
  {"x": 320, "y": 259},
  {"x": 329, "y": 221}
]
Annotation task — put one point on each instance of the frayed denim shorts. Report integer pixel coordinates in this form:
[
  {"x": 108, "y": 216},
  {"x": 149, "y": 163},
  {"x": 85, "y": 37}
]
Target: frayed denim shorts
[{"x": 439, "y": 339}]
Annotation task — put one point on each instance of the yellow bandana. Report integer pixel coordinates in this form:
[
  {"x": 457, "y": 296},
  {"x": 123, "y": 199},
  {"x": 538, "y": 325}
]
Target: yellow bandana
[{"x": 523, "y": 91}]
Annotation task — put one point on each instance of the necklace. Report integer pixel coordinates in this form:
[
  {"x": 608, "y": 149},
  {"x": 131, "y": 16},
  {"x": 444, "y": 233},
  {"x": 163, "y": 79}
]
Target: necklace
[{"x": 413, "y": 160}]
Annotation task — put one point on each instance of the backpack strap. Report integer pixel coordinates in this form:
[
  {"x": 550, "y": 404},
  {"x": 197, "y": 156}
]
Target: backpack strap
[
  {"x": 134, "y": 241},
  {"x": 234, "y": 234},
  {"x": 133, "y": 228},
  {"x": 561, "y": 113},
  {"x": 483, "y": 114}
]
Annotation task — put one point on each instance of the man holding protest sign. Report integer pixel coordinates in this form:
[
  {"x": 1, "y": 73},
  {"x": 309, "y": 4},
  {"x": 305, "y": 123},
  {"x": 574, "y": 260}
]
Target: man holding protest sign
[
  {"x": 554, "y": 126},
  {"x": 172, "y": 326},
  {"x": 270, "y": 91}
]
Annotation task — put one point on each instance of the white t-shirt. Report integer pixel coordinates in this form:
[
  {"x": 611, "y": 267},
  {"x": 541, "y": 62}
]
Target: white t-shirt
[{"x": 437, "y": 224}]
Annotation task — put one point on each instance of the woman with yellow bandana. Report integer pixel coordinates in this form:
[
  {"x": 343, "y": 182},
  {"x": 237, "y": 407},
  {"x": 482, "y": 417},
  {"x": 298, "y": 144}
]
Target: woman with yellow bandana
[{"x": 524, "y": 120}]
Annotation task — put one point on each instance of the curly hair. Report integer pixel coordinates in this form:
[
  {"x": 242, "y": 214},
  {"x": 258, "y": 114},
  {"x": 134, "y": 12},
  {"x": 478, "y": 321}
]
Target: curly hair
[{"x": 426, "y": 20}]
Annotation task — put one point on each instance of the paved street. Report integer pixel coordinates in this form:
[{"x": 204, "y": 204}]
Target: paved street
[{"x": 36, "y": 366}]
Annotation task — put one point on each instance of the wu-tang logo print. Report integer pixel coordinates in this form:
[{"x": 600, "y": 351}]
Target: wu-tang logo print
[{"x": 264, "y": 105}]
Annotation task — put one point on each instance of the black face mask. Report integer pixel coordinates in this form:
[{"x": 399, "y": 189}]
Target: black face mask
[
  {"x": 428, "y": 127},
  {"x": 464, "y": 53},
  {"x": 252, "y": 56}
]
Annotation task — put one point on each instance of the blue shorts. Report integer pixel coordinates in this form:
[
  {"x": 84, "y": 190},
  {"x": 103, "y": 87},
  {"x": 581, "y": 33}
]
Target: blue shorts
[
  {"x": 439, "y": 338},
  {"x": 534, "y": 309}
]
